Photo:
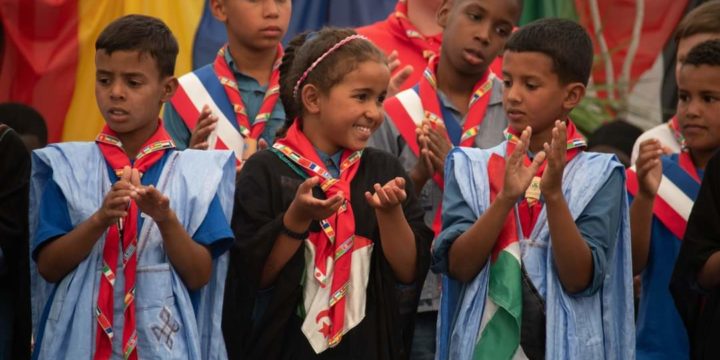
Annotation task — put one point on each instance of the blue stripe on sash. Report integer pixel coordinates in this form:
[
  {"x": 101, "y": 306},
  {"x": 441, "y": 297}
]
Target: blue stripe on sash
[
  {"x": 212, "y": 84},
  {"x": 679, "y": 177}
]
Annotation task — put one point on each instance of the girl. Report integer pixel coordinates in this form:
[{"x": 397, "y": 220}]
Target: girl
[{"x": 328, "y": 231}]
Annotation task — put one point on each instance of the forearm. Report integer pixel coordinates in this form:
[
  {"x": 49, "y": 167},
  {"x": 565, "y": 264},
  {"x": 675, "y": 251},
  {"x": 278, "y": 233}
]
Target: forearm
[
  {"x": 191, "y": 260},
  {"x": 283, "y": 249},
  {"x": 62, "y": 255},
  {"x": 571, "y": 253},
  {"x": 470, "y": 251},
  {"x": 709, "y": 276},
  {"x": 640, "y": 228},
  {"x": 398, "y": 243}
]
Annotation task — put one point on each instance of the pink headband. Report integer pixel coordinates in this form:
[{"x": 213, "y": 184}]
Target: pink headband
[{"x": 323, "y": 56}]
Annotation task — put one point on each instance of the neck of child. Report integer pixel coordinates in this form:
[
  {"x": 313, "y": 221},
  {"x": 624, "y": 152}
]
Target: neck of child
[
  {"x": 132, "y": 142},
  {"x": 256, "y": 63},
  {"x": 456, "y": 86},
  {"x": 424, "y": 18},
  {"x": 700, "y": 158},
  {"x": 317, "y": 138}
]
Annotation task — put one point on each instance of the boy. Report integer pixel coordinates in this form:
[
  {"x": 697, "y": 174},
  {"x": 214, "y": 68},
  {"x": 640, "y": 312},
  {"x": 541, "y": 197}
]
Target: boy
[
  {"x": 664, "y": 189},
  {"x": 410, "y": 35},
  {"x": 123, "y": 226},
  {"x": 233, "y": 103},
  {"x": 511, "y": 290},
  {"x": 697, "y": 26},
  {"x": 694, "y": 281},
  {"x": 458, "y": 93}
]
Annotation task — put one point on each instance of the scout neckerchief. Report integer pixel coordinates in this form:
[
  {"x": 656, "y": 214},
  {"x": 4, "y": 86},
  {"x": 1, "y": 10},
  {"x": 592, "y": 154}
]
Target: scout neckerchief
[
  {"x": 340, "y": 226},
  {"x": 477, "y": 107},
  {"x": 530, "y": 206},
  {"x": 251, "y": 132},
  {"x": 500, "y": 337},
  {"x": 399, "y": 21},
  {"x": 124, "y": 234},
  {"x": 674, "y": 126}
]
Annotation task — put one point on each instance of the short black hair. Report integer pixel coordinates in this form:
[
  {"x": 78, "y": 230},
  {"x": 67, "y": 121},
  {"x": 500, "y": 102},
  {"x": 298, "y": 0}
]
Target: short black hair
[
  {"x": 705, "y": 53},
  {"x": 145, "y": 34},
  {"x": 564, "y": 41},
  {"x": 25, "y": 120}
]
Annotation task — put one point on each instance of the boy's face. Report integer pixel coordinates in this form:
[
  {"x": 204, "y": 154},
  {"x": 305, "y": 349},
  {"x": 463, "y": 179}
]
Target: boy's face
[
  {"x": 256, "y": 24},
  {"x": 130, "y": 91},
  {"x": 686, "y": 44},
  {"x": 475, "y": 31},
  {"x": 698, "y": 107},
  {"x": 533, "y": 94}
]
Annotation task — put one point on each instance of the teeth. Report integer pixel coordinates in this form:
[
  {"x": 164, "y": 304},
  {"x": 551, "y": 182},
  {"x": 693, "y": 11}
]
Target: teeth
[{"x": 364, "y": 129}]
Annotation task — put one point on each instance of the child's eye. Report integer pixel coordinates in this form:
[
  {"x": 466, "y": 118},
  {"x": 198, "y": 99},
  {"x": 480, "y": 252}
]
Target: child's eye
[
  {"x": 103, "y": 81},
  {"x": 361, "y": 97},
  {"x": 683, "y": 97},
  {"x": 474, "y": 16},
  {"x": 134, "y": 83},
  {"x": 531, "y": 86},
  {"x": 503, "y": 31},
  {"x": 381, "y": 99},
  {"x": 709, "y": 99},
  {"x": 507, "y": 83}
]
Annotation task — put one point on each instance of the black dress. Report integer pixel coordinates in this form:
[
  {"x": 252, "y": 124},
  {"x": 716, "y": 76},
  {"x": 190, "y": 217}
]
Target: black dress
[
  {"x": 264, "y": 324},
  {"x": 700, "y": 308},
  {"x": 15, "y": 275}
]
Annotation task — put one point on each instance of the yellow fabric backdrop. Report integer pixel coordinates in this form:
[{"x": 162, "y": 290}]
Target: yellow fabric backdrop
[{"x": 83, "y": 120}]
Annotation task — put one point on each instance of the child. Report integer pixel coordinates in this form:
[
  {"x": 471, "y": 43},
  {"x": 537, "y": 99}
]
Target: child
[
  {"x": 410, "y": 34},
  {"x": 536, "y": 251},
  {"x": 124, "y": 227},
  {"x": 699, "y": 25},
  {"x": 27, "y": 122},
  {"x": 327, "y": 228},
  {"x": 14, "y": 271},
  {"x": 694, "y": 281},
  {"x": 233, "y": 102},
  {"x": 458, "y": 102}
]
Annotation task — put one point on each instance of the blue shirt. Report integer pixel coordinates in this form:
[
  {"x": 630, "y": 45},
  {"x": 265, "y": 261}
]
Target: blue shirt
[
  {"x": 597, "y": 224},
  {"x": 331, "y": 162},
  {"x": 252, "y": 94},
  {"x": 54, "y": 216}
]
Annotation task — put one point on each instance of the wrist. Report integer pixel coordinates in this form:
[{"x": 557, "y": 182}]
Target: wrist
[
  {"x": 98, "y": 220},
  {"x": 553, "y": 196},
  {"x": 645, "y": 195},
  {"x": 169, "y": 215},
  {"x": 418, "y": 177},
  {"x": 295, "y": 223}
]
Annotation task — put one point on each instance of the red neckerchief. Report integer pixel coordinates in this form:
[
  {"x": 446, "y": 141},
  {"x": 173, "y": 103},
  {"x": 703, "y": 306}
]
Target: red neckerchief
[
  {"x": 335, "y": 242},
  {"x": 227, "y": 79},
  {"x": 126, "y": 229},
  {"x": 399, "y": 21},
  {"x": 529, "y": 208},
  {"x": 674, "y": 125},
  {"x": 686, "y": 163},
  {"x": 477, "y": 107}
]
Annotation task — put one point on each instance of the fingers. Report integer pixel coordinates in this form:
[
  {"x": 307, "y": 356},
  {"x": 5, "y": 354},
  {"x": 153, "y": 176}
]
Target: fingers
[
  {"x": 207, "y": 122},
  {"x": 126, "y": 174},
  {"x": 401, "y": 76},
  {"x": 307, "y": 185},
  {"x": 393, "y": 61},
  {"x": 521, "y": 148},
  {"x": 200, "y": 146},
  {"x": 537, "y": 161},
  {"x": 135, "y": 178},
  {"x": 650, "y": 151}
]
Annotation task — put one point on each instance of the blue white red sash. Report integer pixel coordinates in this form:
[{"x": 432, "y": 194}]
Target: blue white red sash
[
  {"x": 676, "y": 195},
  {"x": 200, "y": 88}
]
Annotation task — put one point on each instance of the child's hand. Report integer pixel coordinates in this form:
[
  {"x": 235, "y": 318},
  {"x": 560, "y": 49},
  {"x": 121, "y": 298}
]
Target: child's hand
[
  {"x": 206, "y": 124},
  {"x": 150, "y": 200},
  {"x": 398, "y": 78},
  {"x": 424, "y": 168},
  {"x": 116, "y": 201},
  {"x": 305, "y": 207},
  {"x": 551, "y": 182},
  {"x": 437, "y": 143},
  {"x": 388, "y": 196},
  {"x": 649, "y": 167},
  {"x": 517, "y": 175}
]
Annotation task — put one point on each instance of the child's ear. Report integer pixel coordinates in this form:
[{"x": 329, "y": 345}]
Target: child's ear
[
  {"x": 574, "y": 93},
  {"x": 310, "y": 97},
  {"x": 170, "y": 84},
  {"x": 217, "y": 8},
  {"x": 443, "y": 13}
]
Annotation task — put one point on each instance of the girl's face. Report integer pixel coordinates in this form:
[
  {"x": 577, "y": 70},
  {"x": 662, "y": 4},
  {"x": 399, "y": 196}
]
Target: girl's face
[{"x": 351, "y": 111}]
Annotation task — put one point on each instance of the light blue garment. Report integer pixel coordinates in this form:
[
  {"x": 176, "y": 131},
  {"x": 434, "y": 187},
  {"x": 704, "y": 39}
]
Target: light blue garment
[
  {"x": 67, "y": 326},
  {"x": 578, "y": 327}
]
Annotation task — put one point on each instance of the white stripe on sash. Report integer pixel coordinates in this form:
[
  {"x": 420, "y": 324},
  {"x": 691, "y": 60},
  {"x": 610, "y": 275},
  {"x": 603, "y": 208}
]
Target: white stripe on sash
[
  {"x": 410, "y": 100},
  {"x": 675, "y": 197},
  {"x": 227, "y": 133}
]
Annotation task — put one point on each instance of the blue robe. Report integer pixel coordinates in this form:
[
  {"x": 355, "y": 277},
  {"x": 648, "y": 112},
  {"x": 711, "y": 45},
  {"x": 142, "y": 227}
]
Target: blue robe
[
  {"x": 599, "y": 326},
  {"x": 64, "y": 312}
]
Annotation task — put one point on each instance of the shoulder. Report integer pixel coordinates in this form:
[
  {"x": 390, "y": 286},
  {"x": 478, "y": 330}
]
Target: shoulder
[{"x": 374, "y": 30}]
